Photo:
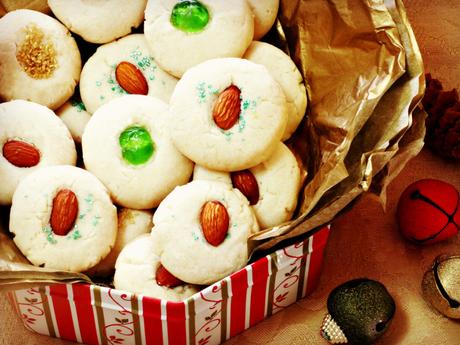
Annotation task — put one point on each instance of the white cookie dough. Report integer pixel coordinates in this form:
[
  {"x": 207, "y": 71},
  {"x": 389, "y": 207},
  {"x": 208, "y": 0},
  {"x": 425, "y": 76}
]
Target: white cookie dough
[
  {"x": 262, "y": 119},
  {"x": 227, "y": 34},
  {"x": 92, "y": 235},
  {"x": 36, "y": 125},
  {"x": 99, "y": 84},
  {"x": 285, "y": 72},
  {"x": 139, "y": 186},
  {"x": 131, "y": 224},
  {"x": 179, "y": 238},
  {"x": 73, "y": 113},
  {"x": 39, "y": 60},
  {"x": 278, "y": 180},
  {"x": 99, "y": 21},
  {"x": 136, "y": 268},
  {"x": 265, "y": 12}
]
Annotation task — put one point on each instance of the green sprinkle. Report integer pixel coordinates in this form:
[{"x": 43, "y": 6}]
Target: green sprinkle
[
  {"x": 49, "y": 234},
  {"x": 79, "y": 105},
  {"x": 96, "y": 220},
  {"x": 98, "y": 83}
]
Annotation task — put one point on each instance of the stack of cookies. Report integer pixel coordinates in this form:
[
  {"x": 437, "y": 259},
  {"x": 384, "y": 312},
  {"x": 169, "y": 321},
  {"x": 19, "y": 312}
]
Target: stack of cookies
[{"x": 177, "y": 133}]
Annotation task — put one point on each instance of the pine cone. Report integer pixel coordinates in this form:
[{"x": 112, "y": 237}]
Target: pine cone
[{"x": 443, "y": 122}]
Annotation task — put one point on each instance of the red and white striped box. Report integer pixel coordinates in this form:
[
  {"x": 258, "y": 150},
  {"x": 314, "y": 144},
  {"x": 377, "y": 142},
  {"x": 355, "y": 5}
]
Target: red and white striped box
[{"x": 92, "y": 314}]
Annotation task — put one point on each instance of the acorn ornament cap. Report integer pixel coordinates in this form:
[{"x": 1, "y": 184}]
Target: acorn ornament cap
[
  {"x": 360, "y": 311},
  {"x": 441, "y": 285},
  {"x": 429, "y": 211}
]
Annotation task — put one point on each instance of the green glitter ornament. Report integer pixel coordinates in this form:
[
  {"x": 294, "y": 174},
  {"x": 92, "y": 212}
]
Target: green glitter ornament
[
  {"x": 360, "y": 311},
  {"x": 136, "y": 145},
  {"x": 189, "y": 16}
]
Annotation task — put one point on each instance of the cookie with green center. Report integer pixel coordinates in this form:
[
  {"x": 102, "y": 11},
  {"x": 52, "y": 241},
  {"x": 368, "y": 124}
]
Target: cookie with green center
[
  {"x": 99, "y": 21},
  {"x": 120, "y": 68},
  {"x": 182, "y": 34},
  {"x": 39, "y": 60},
  {"x": 127, "y": 145},
  {"x": 63, "y": 218}
]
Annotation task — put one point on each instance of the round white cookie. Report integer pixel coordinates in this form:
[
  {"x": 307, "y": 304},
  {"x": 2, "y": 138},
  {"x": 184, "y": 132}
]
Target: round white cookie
[
  {"x": 285, "y": 72},
  {"x": 136, "y": 269},
  {"x": 99, "y": 83},
  {"x": 261, "y": 114},
  {"x": 265, "y": 12},
  {"x": 131, "y": 224},
  {"x": 156, "y": 166},
  {"x": 39, "y": 60},
  {"x": 278, "y": 184},
  {"x": 183, "y": 246},
  {"x": 74, "y": 115},
  {"x": 91, "y": 236},
  {"x": 43, "y": 140},
  {"x": 99, "y": 21},
  {"x": 227, "y": 32}
]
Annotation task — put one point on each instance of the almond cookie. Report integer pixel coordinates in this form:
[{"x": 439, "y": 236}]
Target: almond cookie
[
  {"x": 131, "y": 224},
  {"x": 31, "y": 137},
  {"x": 120, "y": 68},
  {"x": 99, "y": 21},
  {"x": 227, "y": 114},
  {"x": 272, "y": 187},
  {"x": 182, "y": 34},
  {"x": 201, "y": 231},
  {"x": 127, "y": 145},
  {"x": 265, "y": 12},
  {"x": 39, "y": 60},
  {"x": 138, "y": 270},
  {"x": 285, "y": 72},
  {"x": 62, "y": 218}
]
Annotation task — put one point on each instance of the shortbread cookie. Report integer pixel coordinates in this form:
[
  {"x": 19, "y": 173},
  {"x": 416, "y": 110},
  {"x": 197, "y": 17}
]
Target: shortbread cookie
[
  {"x": 121, "y": 68},
  {"x": 265, "y": 12},
  {"x": 127, "y": 145},
  {"x": 138, "y": 270},
  {"x": 99, "y": 21},
  {"x": 182, "y": 34},
  {"x": 62, "y": 218},
  {"x": 201, "y": 231},
  {"x": 31, "y": 137},
  {"x": 131, "y": 224},
  {"x": 39, "y": 60},
  {"x": 227, "y": 114},
  {"x": 285, "y": 72},
  {"x": 73, "y": 113},
  {"x": 271, "y": 187}
]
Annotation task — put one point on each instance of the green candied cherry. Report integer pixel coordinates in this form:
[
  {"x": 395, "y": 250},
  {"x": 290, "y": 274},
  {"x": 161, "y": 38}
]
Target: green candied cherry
[
  {"x": 136, "y": 145},
  {"x": 189, "y": 16}
]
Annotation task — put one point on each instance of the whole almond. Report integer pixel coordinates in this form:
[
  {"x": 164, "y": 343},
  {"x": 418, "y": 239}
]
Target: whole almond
[
  {"x": 131, "y": 79},
  {"x": 64, "y": 212},
  {"x": 21, "y": 154},
  {"x": 165, "y": 278},
  {"x": 226, "y": 110},
  {"x": 246, "y": 182},
  {"x": 214, "y": 222}
]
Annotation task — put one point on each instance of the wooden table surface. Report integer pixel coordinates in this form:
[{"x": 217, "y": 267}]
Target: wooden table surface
[{"x": 364, "y": 242}]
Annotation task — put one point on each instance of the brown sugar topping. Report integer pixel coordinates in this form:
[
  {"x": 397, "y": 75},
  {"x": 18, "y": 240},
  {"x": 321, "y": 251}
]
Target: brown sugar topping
[{"x": 36, "y": 54}]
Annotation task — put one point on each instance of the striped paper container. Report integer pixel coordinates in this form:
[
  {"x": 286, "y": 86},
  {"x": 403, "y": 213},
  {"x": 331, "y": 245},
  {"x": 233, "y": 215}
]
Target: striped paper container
[{"x": 92, "y": 314}]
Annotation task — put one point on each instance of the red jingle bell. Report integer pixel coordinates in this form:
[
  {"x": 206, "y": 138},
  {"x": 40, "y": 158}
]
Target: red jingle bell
[{"x": 429, "y": 211}]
